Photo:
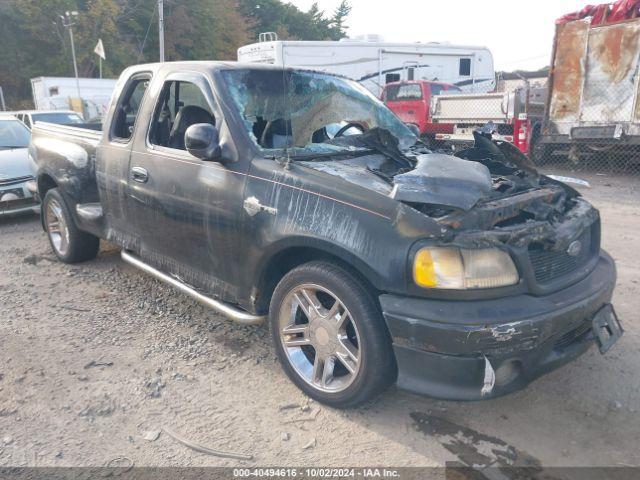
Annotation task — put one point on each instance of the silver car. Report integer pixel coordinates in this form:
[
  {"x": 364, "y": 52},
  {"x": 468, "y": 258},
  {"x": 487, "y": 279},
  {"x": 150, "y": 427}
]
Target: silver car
[{"x": 17, "y": 183}]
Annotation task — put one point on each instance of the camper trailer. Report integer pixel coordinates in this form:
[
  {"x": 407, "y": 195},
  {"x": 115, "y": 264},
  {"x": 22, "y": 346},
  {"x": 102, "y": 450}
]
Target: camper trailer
[{"x": 375, "y": 63}]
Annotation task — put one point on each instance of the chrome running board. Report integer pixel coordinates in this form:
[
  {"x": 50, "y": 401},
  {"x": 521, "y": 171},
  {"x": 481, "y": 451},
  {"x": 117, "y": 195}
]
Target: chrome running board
[{"x": 229, "y": 311}]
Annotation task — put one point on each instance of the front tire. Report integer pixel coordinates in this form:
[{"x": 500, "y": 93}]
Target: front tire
[
  {"x": 330, "y": 336},
  {"x": 70, "y": 244}
]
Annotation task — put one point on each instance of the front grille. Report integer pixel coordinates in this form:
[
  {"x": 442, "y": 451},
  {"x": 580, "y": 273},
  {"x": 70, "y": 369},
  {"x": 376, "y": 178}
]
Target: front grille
[{"x": 549, "y": 265}]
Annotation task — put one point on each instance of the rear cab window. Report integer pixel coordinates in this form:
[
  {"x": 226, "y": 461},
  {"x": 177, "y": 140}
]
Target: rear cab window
[{"x": 407, "y": 91}]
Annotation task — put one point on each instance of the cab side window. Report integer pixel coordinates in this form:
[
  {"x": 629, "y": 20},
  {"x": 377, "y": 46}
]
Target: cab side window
[
  {"x": 128, "y": 108},
  {"x": 180, "y": 105}
]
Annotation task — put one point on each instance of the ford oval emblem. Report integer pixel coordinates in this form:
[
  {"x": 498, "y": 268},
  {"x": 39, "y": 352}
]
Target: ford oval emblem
[{"x": 574, "y": 248}]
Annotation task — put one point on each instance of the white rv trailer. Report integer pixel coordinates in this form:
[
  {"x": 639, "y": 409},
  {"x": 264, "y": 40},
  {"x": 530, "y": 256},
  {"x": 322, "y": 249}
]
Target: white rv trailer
[
  {"x": 374, "y": 63},
  {"x": 53, "y": 93}
]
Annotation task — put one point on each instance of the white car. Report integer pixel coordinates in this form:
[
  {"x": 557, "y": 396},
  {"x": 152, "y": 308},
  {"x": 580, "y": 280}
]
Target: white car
[
  {"x": 61, "y": 117},
  {"x": 17, "y": 183}
]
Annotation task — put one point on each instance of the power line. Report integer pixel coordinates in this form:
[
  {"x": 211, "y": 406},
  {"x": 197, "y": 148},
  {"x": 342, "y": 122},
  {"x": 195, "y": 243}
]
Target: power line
[
  {"x": 546, "y": 55},
  {"x": 153, "y": 14}
]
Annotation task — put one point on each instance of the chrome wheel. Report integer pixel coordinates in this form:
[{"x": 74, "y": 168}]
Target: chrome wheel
[
  {"x": 57, "y": 227},
  {"x": 320, "y": 338}
]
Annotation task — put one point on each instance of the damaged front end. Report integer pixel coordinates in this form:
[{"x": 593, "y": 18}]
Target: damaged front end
[
  {"x": 478, "y": 338},
  {"x": 491, "y": 197},
  {"x": 523, "y": 208},
  {"x": 485, "y": 197},
  {"x": 551, "y": 233}
]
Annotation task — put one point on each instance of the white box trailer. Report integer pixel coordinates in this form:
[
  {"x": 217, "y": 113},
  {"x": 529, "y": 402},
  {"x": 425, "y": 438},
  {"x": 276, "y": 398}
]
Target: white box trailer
[
  {"x": 375, "y": 63},
  {"x": 53, "y": 93}
]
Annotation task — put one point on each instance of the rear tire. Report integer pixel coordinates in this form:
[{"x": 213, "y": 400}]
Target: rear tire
[
  {"x": 70, "y": 244},
  {"x": 330, "y": 336}
]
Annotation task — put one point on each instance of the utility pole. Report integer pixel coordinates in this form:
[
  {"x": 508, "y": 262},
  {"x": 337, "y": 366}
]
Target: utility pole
[
  {"x": 67, "y": 23},
  {"x": 161, "y": 28}
]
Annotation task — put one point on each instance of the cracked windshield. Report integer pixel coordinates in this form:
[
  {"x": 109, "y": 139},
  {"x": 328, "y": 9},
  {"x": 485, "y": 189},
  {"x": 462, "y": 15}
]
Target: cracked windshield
[{"x": 308, "y": 112}]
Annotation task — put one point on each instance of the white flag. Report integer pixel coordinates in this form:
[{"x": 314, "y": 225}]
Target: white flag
[{"x": 99, "y": 50}]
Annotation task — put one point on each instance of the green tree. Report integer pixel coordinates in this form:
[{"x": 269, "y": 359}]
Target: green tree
[
  {"x": 34, "y": 43},
  {"x": 339, "y": 16},
  {"x": 290, "y": 23}
]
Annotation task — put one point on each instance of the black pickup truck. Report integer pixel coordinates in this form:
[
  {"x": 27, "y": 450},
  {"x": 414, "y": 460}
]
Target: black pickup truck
[{"x": 297, "y": 196}]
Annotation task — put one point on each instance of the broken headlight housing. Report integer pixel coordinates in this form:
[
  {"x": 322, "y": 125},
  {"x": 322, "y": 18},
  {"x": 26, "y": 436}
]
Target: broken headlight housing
[{"x": 462, "y": 269}]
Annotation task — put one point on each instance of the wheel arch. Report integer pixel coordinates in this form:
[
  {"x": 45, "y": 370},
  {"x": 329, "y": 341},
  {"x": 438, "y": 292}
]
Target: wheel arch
[
  {"x": 294, "y": 252},
  {"x": 45, "y": 182}
]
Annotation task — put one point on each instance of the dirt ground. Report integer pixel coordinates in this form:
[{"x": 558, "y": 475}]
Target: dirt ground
[{"x": 97, "y": 358}]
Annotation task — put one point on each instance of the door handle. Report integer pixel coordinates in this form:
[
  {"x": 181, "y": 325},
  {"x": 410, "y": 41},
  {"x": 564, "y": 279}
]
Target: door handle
[{"x": 139, "y": 174}]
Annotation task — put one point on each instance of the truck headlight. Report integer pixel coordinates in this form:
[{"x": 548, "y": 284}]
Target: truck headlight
[{"x": 458, "y": 268}]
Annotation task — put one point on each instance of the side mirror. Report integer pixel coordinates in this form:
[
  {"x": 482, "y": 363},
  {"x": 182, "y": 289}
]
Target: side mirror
[{"x": 202, "y": 141}]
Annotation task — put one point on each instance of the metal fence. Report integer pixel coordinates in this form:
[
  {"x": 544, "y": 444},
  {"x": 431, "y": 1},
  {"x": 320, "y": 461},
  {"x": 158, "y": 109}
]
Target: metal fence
[{"x": 595, "y": 131}]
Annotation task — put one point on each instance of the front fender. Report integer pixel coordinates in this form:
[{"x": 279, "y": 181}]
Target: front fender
[
  {"x": 369, "y": 231},
  {"x": 296, "y": 243}
]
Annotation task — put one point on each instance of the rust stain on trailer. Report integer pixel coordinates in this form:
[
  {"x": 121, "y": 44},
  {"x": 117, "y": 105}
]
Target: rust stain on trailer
[
  {"x": 615, "y": 50},
  {"x": 568, "y": 69},
  {"x": 609, "y": 88}
]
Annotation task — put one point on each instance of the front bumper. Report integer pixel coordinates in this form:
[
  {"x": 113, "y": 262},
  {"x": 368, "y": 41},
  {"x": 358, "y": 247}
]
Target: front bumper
[
  {"x": 18, "y": 198},
  {"x": 441, "y": 345}
]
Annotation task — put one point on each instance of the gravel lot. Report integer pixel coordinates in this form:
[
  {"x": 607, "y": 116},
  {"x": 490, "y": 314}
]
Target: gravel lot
[{"x": 97, "y": 358}]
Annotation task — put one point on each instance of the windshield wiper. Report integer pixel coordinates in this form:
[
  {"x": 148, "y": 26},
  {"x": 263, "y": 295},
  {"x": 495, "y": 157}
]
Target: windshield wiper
[{"x": 13, "y": 146}]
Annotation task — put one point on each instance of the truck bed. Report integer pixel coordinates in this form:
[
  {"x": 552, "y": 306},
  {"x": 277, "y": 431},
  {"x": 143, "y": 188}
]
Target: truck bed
[
  {"x": 70, "y": 153},
  {"x": 472, "y": 108}
]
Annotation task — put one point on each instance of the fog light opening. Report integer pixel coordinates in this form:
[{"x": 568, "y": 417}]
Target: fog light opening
[{"x": 507, "y": 372}]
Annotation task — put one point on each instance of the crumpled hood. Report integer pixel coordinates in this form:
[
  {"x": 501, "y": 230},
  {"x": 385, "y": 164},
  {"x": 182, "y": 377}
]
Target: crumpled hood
[
  {"x": 14, "y": 163},
  {"x": 438, "y": 179},
  {"x": 443, "y": 180},
  {"x": 355, "y": 170},
  {"x": 485, "y": 196},
  {"x": 491, "y": 184}
]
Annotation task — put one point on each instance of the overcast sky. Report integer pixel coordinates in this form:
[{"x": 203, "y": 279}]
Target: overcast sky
[{"x": 519, "y": 34}]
